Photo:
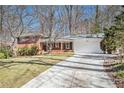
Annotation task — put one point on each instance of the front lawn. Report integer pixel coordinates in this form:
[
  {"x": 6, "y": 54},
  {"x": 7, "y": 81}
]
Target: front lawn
[
  {"x": 15, "y": 72},
  {"x": 119, "y": 70}
]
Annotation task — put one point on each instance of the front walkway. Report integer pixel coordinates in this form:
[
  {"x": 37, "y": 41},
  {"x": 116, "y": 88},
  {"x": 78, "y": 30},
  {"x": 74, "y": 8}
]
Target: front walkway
[{"x": 84, "y": 71}]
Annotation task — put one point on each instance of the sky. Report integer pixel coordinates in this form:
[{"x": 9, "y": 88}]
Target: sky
[{"x": 88, "y": 10}]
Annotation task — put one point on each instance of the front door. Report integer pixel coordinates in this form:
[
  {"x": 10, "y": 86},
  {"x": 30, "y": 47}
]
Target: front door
[{"x": 44, "y": 46}]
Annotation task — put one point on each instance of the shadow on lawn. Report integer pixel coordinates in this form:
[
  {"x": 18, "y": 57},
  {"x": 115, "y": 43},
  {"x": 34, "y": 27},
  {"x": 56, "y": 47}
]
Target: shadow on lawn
[
  {"x": 73, "y": 80},
  {"x": 41, "y": 62}
]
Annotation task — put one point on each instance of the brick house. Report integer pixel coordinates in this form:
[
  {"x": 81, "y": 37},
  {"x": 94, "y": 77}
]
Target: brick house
[
  {"x": 4, "y": 43},
  {"x": 59, "y": 46}
]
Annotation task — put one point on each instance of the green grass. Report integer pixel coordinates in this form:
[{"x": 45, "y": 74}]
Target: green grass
[
  {"x": 119, "y": 70},
  {"x": 15, "y": 72},
  {"x": 119, "y": 74}
]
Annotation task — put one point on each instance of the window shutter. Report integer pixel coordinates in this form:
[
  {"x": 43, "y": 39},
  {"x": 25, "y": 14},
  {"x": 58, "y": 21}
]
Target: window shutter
[
  {"x": 70, "y": 45},
  {"x": 59, "y": 45},
  {"x": 63, "y": 45}
]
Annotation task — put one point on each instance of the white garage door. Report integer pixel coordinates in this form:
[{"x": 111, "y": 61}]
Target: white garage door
[{"x": 87, "y": 45}]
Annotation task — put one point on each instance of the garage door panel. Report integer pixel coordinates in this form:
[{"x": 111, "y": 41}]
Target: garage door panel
[{"x": 87, "y": 46}]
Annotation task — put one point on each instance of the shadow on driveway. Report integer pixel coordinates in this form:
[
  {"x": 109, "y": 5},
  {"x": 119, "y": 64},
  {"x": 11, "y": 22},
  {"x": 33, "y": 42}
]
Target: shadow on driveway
[{"x": 40, "y": 62}]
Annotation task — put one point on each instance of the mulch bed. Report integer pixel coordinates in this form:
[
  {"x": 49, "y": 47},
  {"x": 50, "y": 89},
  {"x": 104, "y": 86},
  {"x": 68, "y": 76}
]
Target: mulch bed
[{"x": 109, "y": 68}]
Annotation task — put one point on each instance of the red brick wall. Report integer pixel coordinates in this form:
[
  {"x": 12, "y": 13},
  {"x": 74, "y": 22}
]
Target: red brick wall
[
  {"x": 60, "y": 51},
  {"x": 29, "y": 45},
  {"x": 40, "y": 47},
  {"x": 24, "y": 45}
]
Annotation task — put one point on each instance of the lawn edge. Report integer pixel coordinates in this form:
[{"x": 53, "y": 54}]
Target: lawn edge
[{"x": 108, "y": 66}]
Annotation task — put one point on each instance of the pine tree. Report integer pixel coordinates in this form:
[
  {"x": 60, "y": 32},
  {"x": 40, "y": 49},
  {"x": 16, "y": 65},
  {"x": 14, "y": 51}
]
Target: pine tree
[
  {"x": 119, "y": 24},
  {"x": 108, "y": 44},
  {"x": 114, "y": 36}
]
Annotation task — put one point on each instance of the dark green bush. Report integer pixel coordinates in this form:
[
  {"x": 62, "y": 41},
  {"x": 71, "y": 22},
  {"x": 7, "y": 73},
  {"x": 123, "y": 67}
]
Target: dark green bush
[
  {"x": 28, "y": 51},
  {"x": 108, "y": 45},
  {"x": 34, "y": 50},
  {"x": 103, "y": 46}
]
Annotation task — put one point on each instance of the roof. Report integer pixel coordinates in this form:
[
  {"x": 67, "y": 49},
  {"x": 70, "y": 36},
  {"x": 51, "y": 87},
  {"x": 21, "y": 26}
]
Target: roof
[
  {"x": 57, "y": 40},
  {"x": 64, "y": 38},
  {"x": 100, "y": 35},
  {"x": 72, "y": 37}
]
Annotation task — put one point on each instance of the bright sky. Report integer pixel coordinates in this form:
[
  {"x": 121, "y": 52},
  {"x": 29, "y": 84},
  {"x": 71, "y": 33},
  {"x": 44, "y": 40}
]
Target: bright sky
[{"x": 88, "y": 10}]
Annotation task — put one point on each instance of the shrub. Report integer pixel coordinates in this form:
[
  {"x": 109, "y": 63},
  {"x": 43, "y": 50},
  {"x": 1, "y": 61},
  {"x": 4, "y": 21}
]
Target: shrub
[
  {"x": 34, "y": 50},
  {"x": 103, "y": 46},
  {"x": 6, "y": 51},
  {"x": 21, "y": 51},
  {"x": 28, "y": 51},
  {"x": 119, "y": 74},
  {"x": 108, "y": 45},
  {"x": 2, "y": 56}
]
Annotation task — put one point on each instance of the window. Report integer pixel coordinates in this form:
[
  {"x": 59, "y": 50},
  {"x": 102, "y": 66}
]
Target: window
[{"x": 67, "y": 45}]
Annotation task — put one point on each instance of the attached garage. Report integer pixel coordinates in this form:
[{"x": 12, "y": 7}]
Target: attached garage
[{"x": 87, "y": 45}]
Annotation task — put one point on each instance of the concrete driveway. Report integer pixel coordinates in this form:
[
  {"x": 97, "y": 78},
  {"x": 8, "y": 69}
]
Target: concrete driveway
[{"x": 82, "y": 70}]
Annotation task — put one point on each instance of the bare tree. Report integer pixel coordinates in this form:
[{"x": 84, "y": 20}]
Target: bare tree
[
  {"x": 40, "y": 12},
  {"x": 16, "y": 21},
  {"x": 106, "y": 16},
  {"x": 54, "y": 21},
  {"x": 74, "y": 18},
  {"x": 69, "y": 16},
  {"x": 48, "y": 22}
]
